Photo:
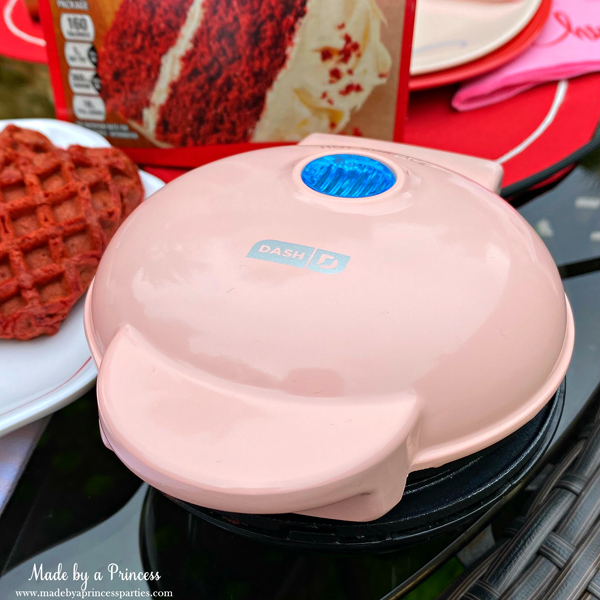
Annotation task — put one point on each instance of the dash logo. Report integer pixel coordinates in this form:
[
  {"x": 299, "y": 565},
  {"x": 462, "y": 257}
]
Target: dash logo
[{"x": 296, "y": 255}]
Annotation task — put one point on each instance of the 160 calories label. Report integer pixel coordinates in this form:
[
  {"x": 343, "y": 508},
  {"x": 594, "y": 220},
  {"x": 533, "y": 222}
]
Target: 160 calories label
[{"x": 77, "y": 27}]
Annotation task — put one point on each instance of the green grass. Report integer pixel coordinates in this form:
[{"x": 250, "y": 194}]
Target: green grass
[{"x": 25, "y": 90}]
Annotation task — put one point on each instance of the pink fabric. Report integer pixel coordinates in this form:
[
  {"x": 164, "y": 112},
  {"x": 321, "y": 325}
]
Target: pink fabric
[{"x": 568, "y": 46}]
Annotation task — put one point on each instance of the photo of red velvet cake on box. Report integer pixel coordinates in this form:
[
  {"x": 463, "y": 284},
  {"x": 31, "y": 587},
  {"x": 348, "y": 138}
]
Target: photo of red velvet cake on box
[{"x": 163, "y": 75}]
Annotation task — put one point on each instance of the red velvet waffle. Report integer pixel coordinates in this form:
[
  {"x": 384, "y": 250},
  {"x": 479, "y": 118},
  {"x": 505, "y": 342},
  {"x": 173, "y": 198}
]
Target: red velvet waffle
[{"x": 58, "y": 211}]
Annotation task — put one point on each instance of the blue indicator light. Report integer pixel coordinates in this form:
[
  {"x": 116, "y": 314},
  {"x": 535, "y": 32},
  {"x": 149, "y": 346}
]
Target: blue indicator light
[{"x": 348, "y": 176}]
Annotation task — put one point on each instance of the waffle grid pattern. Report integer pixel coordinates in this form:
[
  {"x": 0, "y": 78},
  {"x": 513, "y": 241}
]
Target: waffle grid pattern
[{"x": 58, "y": 211}]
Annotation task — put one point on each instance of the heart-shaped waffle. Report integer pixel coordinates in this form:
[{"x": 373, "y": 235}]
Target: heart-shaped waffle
[{"x": 58, "y": 211}]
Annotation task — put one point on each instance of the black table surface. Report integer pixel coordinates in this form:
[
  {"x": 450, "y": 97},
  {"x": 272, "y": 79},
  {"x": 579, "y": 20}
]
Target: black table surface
[{"x": 76, "y": 503}]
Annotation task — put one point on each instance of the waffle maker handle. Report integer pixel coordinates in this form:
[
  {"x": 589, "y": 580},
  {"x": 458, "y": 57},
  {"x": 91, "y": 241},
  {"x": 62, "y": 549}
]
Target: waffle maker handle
[{"x": 365, "y": 447}]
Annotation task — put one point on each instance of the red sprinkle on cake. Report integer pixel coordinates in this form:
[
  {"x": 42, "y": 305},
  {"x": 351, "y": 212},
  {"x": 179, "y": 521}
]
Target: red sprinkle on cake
[{"x": 195, "y": 72}]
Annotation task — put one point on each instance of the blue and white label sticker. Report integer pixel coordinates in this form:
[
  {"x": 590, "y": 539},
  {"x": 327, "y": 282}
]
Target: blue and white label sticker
[
  {"x": 297, "y": 255},
  {"x": 285, "y": 253}
]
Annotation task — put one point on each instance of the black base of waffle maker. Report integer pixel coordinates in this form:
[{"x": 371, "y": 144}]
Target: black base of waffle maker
[{"x": 434, "y": 501}]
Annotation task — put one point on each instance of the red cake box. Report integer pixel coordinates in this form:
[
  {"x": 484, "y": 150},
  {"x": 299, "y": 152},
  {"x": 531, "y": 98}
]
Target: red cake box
[{"x": 183, "y": 82}]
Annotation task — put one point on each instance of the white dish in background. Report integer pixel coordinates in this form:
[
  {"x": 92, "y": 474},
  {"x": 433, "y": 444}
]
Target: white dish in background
[
  {"x": 449, "y": 33},
  {"x": 41, "y": 375}
]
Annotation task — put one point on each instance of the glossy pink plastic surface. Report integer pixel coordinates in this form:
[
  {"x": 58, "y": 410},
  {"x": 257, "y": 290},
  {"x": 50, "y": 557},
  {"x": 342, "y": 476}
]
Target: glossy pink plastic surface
[{"x": 252, "y": 386}]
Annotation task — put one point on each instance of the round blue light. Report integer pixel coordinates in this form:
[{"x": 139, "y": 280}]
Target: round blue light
[{"x": 348, "y": 176}]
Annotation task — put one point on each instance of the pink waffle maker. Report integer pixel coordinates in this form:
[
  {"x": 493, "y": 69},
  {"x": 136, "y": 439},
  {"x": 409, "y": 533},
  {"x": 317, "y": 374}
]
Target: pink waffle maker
[{"x": 297, "y": 329}]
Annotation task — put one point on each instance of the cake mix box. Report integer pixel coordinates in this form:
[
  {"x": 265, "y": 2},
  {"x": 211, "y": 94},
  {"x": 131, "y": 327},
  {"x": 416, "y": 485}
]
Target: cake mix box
[{"x": 182, "y": 82}]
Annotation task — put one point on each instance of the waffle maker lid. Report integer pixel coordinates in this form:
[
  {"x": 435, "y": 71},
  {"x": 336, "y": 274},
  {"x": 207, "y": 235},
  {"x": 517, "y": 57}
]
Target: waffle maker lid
[{"x": 295, "y": 329}]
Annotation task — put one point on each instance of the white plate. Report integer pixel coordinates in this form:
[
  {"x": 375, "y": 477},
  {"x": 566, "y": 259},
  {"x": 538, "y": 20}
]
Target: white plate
[
  {"x": 41, "y": 375},
  {"x": 449, "y": 33}
]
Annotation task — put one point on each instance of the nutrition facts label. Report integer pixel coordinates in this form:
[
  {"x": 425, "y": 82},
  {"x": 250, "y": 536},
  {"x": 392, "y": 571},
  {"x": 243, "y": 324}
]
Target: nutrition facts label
[
  {"x": 84, "y": 81},
  {"x": 77, "y": 27},
  {"x": 79, "y": 33},
  {"x": 81, "y": 55}
]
